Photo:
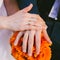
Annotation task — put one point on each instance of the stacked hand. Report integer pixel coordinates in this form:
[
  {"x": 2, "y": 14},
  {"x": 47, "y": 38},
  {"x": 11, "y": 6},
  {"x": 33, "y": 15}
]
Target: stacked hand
[{"x": 31, "y": 25}]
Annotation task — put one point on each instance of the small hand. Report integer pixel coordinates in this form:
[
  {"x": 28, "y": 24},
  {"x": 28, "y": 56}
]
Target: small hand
[
  {"x": 29, "y": 35},
  {"x": 22, "y": 20}
]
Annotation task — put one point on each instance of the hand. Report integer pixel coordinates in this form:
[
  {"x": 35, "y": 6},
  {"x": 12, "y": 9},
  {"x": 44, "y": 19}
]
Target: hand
[
  {"x": 22, "y": 20},
  {"x": 29, "y": 37},
  {"x": 31, "y": 33},
  {"x": 35, "y": 35}
]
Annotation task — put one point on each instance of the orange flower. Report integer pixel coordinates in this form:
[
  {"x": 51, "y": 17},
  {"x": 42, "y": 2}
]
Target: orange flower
[{"x": 45, "y": 51}]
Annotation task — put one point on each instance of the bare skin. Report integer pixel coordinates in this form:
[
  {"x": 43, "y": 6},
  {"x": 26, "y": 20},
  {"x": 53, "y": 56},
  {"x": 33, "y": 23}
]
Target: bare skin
[
  {"x": 18, "y": 21},
  {"x": 32, "y": 23}
]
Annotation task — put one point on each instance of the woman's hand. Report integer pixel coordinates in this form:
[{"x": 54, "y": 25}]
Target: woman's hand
[
  {"x": 30, "y": 25},
  {"x": 22, "y": 20},
  {"x": 35, "y": 35},
  {"x": 30, "y": 34}
]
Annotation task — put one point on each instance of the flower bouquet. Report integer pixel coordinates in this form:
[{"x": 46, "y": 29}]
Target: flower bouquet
[{"x": 45, "y": 50}]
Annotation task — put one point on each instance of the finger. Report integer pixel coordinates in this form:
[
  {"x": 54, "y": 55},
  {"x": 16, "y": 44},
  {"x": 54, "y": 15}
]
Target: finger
[
  {"x": 37, "y": 23},
  {"x": 18, "y": 37},
  {"x": 45, "y": 34},
  {"x": 27, "y": 9},
  {"x": 28, "y": 27},
  {"x": 38, "y": 41},
  {"x": 36, "y": 16},
  {"x": 45, "y": 27},
  {"x": 25, "y": 38},
  {"x": 34, "y": 24},
  {"x": 32, "y": 17},
  {"x": 31, "y": 42}
]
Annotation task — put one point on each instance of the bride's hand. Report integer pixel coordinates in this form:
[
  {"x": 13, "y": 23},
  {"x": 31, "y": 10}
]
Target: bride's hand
[
  {"x": 29, "y": 37},
  {"x": 35, "y": 35},
  {"x": 22, "y": 20}
]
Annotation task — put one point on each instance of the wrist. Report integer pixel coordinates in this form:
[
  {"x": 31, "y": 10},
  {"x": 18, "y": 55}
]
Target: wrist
[{"x": 3, "y": 22}]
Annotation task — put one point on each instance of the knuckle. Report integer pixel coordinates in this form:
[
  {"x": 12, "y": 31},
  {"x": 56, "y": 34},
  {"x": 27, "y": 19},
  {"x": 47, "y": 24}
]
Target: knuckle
[
  {"x": 25, "y": 14},
  {"x": 38, "y": 15}
]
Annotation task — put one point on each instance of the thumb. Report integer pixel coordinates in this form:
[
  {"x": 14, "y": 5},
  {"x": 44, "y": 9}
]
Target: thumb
[{"x": 27, "y": 9}]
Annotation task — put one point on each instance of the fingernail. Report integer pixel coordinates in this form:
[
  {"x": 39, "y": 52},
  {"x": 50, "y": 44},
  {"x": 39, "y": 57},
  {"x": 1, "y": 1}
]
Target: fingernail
[
  {"x": 30, "y": 54},
  {"x": 37, "y": 53},
  {"x": 50, "y": 42},
  {"x": 31, "y": 4},
  {"x": 15, "y": 43},
  {"x": 24, "y": 51}
]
